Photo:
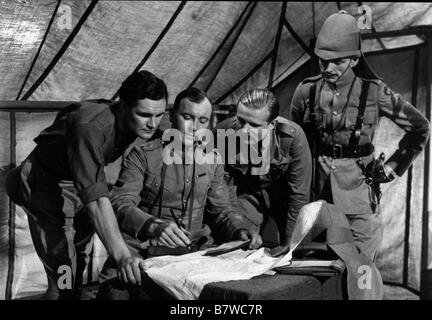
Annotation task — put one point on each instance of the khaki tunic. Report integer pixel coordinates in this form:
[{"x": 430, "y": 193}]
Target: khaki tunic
[
  {"x": 336, "y": 109},
  {"x": 272, "y": 201},
  {"x": 137, "y": 200}
]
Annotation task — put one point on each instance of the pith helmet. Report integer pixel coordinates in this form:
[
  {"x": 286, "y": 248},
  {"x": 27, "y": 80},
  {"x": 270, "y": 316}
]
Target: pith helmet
[{"x": 339, "y": 37}]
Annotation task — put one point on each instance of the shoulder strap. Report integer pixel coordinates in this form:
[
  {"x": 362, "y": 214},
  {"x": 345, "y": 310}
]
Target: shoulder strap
[
  {"x": 355, "y": 135},
  {"x": 160, "y": 191},
  {"x": 312, "y": 93}
]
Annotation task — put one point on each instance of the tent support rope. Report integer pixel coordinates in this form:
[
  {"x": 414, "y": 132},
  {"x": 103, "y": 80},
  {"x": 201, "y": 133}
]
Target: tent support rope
[
  {"x": 156, "y": 43},
  {"x": 276, "y": 44},
  {"x": 39, "y": 49},
  {"x": 228, "y": 35},
  {"x": 62, "y": 50}
]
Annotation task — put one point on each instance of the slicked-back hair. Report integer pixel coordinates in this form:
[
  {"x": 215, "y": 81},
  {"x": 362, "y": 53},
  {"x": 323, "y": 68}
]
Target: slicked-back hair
[
  {"x": 143, "y": 85},
  {"x": 193, "y": 94},
  {"x": 259, "y": 99}
]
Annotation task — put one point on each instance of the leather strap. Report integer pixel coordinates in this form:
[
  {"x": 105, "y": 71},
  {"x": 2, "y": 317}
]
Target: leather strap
[{"x": 355, "y": 135}]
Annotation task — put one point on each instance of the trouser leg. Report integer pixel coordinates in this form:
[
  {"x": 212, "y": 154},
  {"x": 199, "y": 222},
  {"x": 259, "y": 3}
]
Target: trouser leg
[
  {"x": 355, "y": 246},
  {"x": 260, "y": 219},
  {"x": 83, "y": 242},
  {"x": 51, "y": 206},
  {"x": 367, "y": 231}
]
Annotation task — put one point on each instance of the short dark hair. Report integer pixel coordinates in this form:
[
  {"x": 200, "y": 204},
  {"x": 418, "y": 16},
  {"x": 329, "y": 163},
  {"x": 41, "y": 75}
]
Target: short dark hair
[
  {"x": 143, "y": 85},
  {"x": 259, "y": 99},
  {"x": 193, "y": 94}
]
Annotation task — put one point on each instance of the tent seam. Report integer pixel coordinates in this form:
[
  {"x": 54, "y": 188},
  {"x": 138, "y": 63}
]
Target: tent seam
[
  {"x": 62, "y": 50},
  {"x": 200, "y": 73},
  {"x": 157, "y": 41}
]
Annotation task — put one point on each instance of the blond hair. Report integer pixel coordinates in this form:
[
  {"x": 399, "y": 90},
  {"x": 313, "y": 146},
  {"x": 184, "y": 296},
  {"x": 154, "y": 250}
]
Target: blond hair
[{"x": 259, "y": 99}]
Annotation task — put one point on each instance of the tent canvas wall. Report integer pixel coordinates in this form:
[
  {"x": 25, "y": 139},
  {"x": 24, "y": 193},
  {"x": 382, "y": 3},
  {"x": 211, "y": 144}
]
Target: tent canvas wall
[{"x": 71, "y": 50}]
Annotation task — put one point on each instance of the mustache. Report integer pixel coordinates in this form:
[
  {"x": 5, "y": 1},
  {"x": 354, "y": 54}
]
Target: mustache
[{"x": 328, "y": 74}]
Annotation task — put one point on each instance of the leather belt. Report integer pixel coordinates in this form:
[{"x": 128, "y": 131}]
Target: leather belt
[{"x": 338, "y": 151}]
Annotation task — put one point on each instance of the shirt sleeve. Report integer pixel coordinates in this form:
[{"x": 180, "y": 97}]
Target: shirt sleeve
[
  {"x": 125, "y": 197},
  {"x": 220, "y": 212},
  {"x": 417, "y": 128},
  {"x": 298, "y": 178},
  {"x": 86, "y": 162}
]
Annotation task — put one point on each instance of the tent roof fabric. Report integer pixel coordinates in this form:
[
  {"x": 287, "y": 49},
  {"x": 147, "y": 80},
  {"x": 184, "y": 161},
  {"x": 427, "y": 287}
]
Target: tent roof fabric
[
  {"x": 213, "y": 45},
  {"x": 70, "y": 50}
]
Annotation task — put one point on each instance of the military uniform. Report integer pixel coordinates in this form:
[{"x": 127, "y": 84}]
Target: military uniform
[
  {"x": 61, "y": 175},
  {"x": 272, "y": 201},
  {"x": 340, "y": 119},
  {"x": 148, "y": 189}
]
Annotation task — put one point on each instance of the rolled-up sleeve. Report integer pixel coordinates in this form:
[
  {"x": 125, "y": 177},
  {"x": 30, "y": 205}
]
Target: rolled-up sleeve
[
  {"x": 417, "y": 128},
  {"x": 125, "y": 196},
  {"x": 298, "y": 178},
  {"x": 220, "y": 212},
  {"x": 86, "y": 162}
]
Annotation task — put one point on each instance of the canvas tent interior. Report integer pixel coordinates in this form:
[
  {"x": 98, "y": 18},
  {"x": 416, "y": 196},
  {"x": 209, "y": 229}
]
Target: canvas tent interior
[{"x": 55, "y": 51}]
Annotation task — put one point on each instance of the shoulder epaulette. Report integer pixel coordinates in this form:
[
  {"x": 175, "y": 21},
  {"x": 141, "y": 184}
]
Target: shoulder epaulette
[
  {"x": 150, "y": 145},
  {"x": 374, "y": 81},
  {"x": 312, "y": 79},
  {"x": 287, "y": 126}
]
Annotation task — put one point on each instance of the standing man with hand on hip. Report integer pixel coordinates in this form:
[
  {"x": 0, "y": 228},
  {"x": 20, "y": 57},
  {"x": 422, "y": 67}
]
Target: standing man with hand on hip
[
  {"x": 62, "y": 184},
  {"x": 339, "y": 111}
]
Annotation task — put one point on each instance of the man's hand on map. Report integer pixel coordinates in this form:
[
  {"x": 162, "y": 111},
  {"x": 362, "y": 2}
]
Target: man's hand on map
[
  {"x": 129, "y": 270},
  {"x": 168, "y": 234},
  {"x": 255, "y": 238}
]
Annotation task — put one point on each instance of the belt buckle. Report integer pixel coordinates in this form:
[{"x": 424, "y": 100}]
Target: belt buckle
[{"x": 337, "y": 148}]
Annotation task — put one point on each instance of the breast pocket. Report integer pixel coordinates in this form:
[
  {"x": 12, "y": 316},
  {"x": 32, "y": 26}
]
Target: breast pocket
[
  {"x": 202, "y": 185},
  {"x": 317, "y": 118},
  {"x": 151, "y": 188},
  {"x": 350, "y": 118},
  {"x": 370, "y": 117}
]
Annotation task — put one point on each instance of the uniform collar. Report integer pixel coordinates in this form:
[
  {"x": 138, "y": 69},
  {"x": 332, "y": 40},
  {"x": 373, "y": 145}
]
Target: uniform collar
[{"x": 345, "y": 81}]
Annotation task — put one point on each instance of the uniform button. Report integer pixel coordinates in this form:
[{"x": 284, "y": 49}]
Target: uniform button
[
  {"x": 335, "y": 113},
  {"x": 187, "y": 180},
  {"x": 337, "y": 93},
  {"x": 156, "y": 184}
]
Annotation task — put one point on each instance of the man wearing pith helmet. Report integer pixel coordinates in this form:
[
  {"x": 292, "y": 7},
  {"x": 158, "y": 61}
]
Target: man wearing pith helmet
[{"x": 339, "y": 110}]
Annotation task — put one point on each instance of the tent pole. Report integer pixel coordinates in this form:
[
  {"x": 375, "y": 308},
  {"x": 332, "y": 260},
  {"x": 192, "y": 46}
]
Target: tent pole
[
  {"x": 426, "y": 272},
  {"x": 414, "y": 87},
  {"x": 11, "y": 264}
]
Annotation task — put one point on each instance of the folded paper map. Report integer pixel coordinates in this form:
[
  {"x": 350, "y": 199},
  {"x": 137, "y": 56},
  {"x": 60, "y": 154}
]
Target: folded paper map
[{"x": 186, "y": 275}]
